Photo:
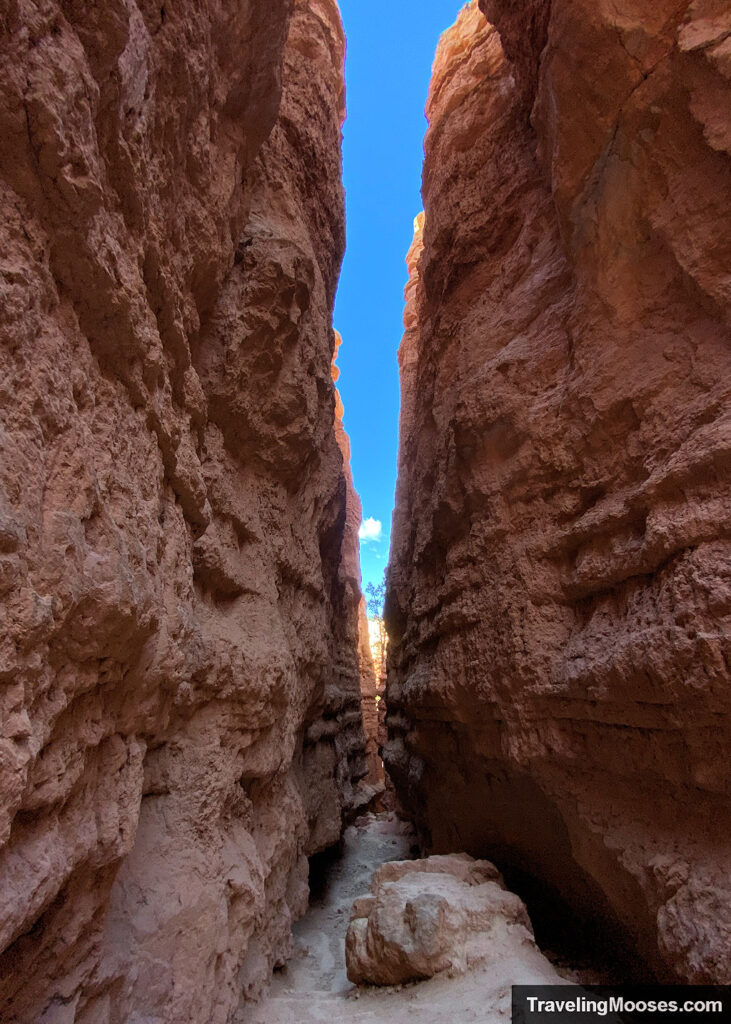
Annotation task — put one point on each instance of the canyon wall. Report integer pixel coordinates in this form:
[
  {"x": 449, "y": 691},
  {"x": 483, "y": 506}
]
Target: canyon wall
[
  {"x": 560, "y": 582},
  {"x": 179, "y": 656}
]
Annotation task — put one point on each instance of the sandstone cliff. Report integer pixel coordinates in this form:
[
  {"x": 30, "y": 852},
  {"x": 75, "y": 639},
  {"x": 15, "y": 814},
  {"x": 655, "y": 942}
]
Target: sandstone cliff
[
  {"x": 560, "y": 584},
  {"x": 180, "y": 706}
]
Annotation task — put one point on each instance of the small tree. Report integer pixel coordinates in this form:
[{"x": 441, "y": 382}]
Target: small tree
[{"x": 375, "y": 598}]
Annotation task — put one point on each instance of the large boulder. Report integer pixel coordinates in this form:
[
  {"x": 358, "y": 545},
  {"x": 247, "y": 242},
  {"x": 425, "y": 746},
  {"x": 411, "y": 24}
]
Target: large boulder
[{"x": 445, "y": 913}]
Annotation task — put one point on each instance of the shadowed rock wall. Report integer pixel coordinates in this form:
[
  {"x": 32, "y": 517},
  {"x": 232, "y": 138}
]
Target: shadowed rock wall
[
  {"x": 179, "y": 676},
  {"x": 560, "y": 578}
]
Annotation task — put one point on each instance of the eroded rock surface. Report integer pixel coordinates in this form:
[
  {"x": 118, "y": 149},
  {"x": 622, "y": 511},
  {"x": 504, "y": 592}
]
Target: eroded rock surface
[
  {"x": 181, "y": 719},
  {"x": 423, "y": 917},
  {"x": 560, "y": 585}
]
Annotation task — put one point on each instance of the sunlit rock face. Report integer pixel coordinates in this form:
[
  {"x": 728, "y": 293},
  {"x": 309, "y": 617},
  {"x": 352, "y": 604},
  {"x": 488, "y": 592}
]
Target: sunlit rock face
[
  {"x": 560, "y": 579},
  {"x": 180, "y": 707}
]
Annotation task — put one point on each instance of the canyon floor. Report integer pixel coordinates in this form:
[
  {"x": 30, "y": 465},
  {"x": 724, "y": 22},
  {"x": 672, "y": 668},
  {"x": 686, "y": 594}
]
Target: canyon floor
[{"x": 313, "y": 988}]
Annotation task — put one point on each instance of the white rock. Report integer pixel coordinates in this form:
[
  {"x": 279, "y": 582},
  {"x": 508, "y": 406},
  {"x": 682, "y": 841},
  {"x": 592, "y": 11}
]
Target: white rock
[{"x": 445, "y": 913}]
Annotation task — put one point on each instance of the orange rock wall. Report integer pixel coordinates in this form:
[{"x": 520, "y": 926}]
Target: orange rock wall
[
  {"x": 560, "y": 581},
  {"x": 179, "y": 677}
]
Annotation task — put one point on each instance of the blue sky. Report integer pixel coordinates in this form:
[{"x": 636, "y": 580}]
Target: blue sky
[{"x": 391, "y": 46}]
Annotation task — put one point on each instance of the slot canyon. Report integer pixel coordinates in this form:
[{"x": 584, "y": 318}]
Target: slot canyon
[{"x": 196, "y": 826}]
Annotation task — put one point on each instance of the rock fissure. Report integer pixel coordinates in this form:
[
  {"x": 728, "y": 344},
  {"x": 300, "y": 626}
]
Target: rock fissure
[{"x": 192, "y": 731}]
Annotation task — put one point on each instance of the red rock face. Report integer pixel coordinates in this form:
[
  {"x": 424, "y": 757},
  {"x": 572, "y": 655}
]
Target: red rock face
[
  {"x": 560, "y": 584},
  {"x": 179, "y": 659}
]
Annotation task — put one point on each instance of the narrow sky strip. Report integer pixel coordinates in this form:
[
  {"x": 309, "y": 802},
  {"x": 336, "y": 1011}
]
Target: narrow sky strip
[{"x": 390, "y": 52}]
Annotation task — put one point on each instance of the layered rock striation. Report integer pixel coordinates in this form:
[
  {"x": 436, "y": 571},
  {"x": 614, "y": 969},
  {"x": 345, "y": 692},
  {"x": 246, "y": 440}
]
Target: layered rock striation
[
  {"x": 560, "y": 581},
  {"x": 179, "y": 663}
]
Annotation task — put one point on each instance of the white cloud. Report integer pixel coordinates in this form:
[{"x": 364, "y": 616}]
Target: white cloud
[{"x": 370, "y": 530}]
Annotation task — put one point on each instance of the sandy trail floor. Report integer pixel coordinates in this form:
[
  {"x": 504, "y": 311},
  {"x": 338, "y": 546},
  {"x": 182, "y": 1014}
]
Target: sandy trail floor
[{"x": 314, "y": 988}]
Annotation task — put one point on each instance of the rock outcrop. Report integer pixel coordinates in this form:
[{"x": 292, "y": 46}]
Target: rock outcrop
[
  {"x": 370, "y": 704},
  {"x": 421, "y": 918},
  {"x": 560, "y": 582},
  {"x": 180, "y": 701}
]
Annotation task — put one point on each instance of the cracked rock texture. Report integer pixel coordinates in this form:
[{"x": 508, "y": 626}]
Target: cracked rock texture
[
  {"x": 560, "y": 580},
  {"x": 180, "y": 721}
]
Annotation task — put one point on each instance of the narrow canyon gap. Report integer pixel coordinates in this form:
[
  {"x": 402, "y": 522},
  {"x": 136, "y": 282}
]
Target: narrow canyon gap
[{"x": 187, "y": 699}]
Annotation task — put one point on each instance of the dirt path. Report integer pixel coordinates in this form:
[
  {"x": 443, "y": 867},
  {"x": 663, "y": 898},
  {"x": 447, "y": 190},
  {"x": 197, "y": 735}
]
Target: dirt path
[{"x": 314, "y": 989}]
